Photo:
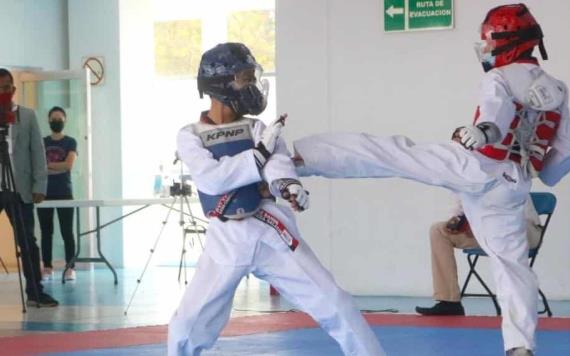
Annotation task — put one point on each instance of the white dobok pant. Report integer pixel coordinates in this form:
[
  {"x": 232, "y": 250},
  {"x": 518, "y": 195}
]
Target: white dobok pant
[
  {"x": 236, "y": 248},
  {"x": 493, "y": 194}
]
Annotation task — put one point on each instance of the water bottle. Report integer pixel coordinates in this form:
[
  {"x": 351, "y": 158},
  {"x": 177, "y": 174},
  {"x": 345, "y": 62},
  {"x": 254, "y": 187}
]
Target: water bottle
[
  {"x": 165, "y": 189},
  {"x": 158, "y": 183}
]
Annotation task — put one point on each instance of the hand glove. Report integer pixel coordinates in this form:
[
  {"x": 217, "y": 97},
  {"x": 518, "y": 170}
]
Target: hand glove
[
  {"x": 471, "y": 137},
  {"x": 268, "y": 141},
  {"x": 293, "y": 191},
  {"x": 474, "y": 137}
]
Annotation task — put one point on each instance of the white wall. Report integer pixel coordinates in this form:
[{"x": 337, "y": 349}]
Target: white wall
[
  {"x": 34, "y": 33},
  {"x": 339, "y": 71},
  {"x": 139, "y": 125},
  {"x": 143, "y": 133},
  {"x": 94, "y": 31}
]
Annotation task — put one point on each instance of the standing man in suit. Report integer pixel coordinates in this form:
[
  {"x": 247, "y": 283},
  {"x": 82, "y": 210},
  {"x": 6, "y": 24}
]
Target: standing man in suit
[{"x": 27, "y": 155}]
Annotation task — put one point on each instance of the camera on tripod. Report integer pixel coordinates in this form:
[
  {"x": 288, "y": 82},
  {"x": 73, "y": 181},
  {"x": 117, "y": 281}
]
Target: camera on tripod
[{"x": 180, "y": 189}]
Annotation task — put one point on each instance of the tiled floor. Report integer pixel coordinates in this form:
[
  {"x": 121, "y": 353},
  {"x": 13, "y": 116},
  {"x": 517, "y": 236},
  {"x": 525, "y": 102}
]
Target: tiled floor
[{"x": 92, "y": 302}]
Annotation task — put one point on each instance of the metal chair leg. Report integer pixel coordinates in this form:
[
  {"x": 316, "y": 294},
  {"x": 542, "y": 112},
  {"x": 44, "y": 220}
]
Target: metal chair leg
[
  {"x": 467, "y": 279},
  {"x": 472, "y": 260},
  {"x": 489, "y": 293}
]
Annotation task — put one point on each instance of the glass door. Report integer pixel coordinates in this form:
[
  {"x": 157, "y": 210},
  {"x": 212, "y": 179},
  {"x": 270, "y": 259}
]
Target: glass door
[
  {"x": 70, "y": 90},
  {"x": 42, "y": 90}
]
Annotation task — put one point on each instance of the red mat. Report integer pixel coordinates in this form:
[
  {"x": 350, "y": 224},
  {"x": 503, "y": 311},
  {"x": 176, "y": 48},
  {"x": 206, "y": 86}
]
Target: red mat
[{"x": 62, "y": 342}]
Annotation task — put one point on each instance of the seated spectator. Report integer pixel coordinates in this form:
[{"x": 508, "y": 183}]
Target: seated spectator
[{"x": 445, "y": 236}]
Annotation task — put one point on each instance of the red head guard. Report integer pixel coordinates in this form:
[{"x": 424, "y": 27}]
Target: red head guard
[{"x": 512, "y": 31}]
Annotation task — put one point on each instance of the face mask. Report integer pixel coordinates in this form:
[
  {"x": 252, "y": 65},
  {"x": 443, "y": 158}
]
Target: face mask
[
  {"x": 6, "y": 114},
  {"x": 56, "y": 126},
  {"x": 488, "y": 62}
]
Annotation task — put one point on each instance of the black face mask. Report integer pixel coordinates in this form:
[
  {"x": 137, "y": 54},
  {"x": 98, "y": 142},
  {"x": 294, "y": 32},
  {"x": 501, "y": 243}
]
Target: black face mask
[{"x": 56, "y": 126}]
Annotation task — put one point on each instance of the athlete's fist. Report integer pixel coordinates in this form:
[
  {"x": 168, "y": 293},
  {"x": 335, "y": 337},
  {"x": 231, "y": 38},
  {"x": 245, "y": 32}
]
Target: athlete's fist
[
  {"x": 474, "y": 137},
  {"x": 471, "y": 137},
  {"x": 272, "y": 132},
  {"x": 293, "y": 191},
  {"x": 266, "y": 145},
  {"x": 298, "y": 197}
]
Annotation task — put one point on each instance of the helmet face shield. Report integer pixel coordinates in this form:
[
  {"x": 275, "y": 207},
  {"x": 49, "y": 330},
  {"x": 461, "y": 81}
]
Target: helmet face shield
[
  {"x": 252, "y": 91},
  {"x": 247, "y": 77},
  {"x": 484, "y": 51}
]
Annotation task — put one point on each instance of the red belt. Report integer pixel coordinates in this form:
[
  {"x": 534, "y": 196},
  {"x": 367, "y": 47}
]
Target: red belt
[
  {"x": 221, "y": 206},
  {"x": 286, "y": 236}
]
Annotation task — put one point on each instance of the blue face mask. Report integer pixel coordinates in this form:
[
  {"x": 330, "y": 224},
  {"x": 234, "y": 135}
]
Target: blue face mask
[{"x": 488, "y": 62}]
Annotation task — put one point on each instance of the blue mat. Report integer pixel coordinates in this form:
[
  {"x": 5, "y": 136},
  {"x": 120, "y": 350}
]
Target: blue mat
[{"x": 399, "y": 341}]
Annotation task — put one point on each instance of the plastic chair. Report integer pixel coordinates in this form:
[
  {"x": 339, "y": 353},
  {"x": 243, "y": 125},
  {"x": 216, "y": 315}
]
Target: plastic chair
[{"x": 544, "y": 203}]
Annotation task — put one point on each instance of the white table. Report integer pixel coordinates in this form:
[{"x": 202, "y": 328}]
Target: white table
[{"x": 98, "y": 204}]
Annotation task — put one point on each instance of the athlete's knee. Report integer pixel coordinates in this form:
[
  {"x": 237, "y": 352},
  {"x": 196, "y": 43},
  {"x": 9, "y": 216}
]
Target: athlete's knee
[
  {"x": 341, "y": 300},
  {"x": 178, "y": 327},
  {"x": 510, "y": 249},
  {"x": 436, "y": 232}
]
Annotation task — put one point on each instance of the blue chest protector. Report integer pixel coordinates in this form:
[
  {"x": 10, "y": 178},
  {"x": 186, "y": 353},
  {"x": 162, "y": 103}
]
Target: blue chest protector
[{"x": 229, "y": 140}]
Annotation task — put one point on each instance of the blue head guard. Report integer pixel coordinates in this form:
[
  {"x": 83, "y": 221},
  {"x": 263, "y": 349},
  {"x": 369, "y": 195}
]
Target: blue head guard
[{"x": 230, "y": 74}]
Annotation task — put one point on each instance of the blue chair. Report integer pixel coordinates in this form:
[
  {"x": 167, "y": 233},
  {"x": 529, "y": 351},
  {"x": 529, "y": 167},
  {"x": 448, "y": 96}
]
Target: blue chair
[{"x": 544, "y": 203}]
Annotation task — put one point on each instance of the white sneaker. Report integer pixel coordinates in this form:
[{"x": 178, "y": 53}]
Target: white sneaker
[
  {"x": 47, "y": 274},
  {"x": 519, "y": 351},
  {"x": 69, "y": 275}
]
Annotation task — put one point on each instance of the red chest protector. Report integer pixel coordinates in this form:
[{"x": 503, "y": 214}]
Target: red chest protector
[{"x": 543, "y": 133}]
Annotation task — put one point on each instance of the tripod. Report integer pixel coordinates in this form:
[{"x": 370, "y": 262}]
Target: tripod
[
  {"x": 10, "y": 201},
  {"x": 4, "y": 266},
  {"x": 181, "y": 193}
]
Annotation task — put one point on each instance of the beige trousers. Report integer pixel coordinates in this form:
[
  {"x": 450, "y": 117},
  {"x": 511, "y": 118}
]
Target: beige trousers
[{"x": 443, "y": 264}]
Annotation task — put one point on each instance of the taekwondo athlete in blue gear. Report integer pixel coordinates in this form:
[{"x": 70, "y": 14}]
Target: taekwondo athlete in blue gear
[{"x": 239, "y": 166}]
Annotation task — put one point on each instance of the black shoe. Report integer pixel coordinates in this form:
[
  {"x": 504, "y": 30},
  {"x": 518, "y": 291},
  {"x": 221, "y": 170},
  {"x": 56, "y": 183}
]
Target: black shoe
[
  {"x": 45, "y": 301},
  {"x": 442, "y": 308}
]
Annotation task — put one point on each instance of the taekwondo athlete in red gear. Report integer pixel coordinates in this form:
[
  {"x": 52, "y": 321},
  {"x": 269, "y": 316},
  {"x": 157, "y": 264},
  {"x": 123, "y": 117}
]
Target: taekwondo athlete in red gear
[
  {"x": 239, "y": 166},
  {"x": 521, "y": 131}
]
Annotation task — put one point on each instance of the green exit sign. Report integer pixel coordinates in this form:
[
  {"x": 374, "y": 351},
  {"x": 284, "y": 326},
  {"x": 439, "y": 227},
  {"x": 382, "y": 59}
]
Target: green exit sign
[{"x": 414, "y": 15}]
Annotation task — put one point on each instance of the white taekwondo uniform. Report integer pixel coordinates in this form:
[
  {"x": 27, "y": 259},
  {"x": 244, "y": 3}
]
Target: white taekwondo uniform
[
  {"x": 493, "y": 189},
  {"x": 265, "y": 242}
]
